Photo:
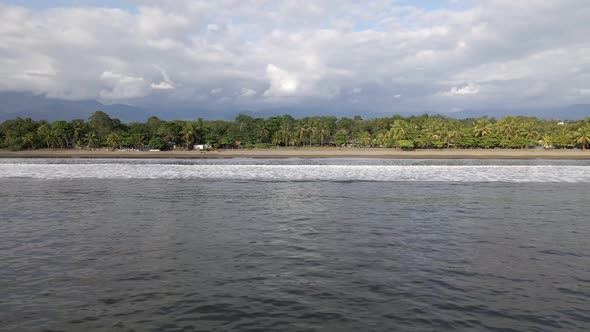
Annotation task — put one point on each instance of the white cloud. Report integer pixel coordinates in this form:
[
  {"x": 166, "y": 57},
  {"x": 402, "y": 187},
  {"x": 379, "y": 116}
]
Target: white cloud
[
  {"x": 245, "y": 92},
  {"x": 330, "y": 50},
  {"x": 110, "y": 76},
  {"x": 154, "y": 21},
  {"x": 467, "y": 89},
  {"x": 162, "y": 86},
  {"x": 282, "y": 83},
  {"x": 167, "y": 84},
  {"x": 584, "y": 92},
  {"x": 122, "y": 87}
]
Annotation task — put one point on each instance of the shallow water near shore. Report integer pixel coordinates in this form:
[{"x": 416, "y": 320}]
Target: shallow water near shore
[{"x": 294, "y": 245}]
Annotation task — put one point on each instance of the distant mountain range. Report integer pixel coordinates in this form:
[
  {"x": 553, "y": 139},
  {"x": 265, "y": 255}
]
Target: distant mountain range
[
  {"x": 572, "y": 112},
  {"x": 39, "y": 107}
]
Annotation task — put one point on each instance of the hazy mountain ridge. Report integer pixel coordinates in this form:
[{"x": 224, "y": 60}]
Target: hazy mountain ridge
[
  {"x": 39, "y": 107},
  {"x": 571, "y": 112}
]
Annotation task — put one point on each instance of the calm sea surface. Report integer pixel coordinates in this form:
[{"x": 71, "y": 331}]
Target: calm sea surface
[{"x": 294, "y": 245}]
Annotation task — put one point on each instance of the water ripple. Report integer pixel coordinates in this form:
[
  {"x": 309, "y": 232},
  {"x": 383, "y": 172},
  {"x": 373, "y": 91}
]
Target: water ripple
[{"x": 194, "y": 254}]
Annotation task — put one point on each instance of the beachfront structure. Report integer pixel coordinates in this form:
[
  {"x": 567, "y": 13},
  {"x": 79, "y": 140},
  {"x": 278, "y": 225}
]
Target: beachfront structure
[{"x": 201, "y": 147}]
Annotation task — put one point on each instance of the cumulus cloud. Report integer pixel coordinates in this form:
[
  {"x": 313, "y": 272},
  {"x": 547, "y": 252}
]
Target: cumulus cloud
[
  {"x": 467, "y": 89},
  {"x": 282, "y": 83},
  {"x": 122, "y": 87},
  {"x": 311, "y": 52}
]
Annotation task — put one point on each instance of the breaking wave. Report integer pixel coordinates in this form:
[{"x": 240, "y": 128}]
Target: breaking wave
[{"x": 269, "y": 172}]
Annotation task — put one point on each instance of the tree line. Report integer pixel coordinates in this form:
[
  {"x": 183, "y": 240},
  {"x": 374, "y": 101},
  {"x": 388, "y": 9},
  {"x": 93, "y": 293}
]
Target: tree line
[{"x": 424, "y": 131}]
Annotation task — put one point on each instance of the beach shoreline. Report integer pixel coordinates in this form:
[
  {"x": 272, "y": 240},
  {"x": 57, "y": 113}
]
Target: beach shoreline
[{"x": 307, "y": 153}]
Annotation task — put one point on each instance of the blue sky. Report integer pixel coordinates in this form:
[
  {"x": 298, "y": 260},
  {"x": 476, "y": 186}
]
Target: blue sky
[{"x": 381, "y": 56}]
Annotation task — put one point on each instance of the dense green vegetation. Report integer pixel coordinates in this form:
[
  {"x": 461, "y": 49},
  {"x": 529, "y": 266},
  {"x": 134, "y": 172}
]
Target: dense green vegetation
[{"x": 246, "y": 132}]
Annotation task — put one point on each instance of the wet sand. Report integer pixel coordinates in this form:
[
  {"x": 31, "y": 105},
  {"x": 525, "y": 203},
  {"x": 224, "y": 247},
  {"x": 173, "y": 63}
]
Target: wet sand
[{"x": 309, "y": 153}]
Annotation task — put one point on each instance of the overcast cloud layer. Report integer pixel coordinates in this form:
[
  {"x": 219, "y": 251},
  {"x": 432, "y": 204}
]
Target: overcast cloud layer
[{"x": 379, "y": 55}]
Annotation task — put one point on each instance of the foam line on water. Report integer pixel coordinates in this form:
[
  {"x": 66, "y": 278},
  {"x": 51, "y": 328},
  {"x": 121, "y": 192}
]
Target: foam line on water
[{"x": 446, "y": 173}]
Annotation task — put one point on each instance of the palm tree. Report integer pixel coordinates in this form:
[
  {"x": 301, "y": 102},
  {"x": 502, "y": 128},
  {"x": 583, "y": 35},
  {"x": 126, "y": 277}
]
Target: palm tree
[
  {"x": 431, "y": 132},
  {"x": 529, "y": 132},
  {"x": 399, "y": 130},
  {"x": 366, "y": 138},
  {"x": 454, "y": 135},
  {"x": 381, "y": 138},
  {"x": 263, "y": 132},
  {"x": 9, "y": 138},
  {"x": 389, "y": 135},
  {"x": 285, "y": 131},
  {"x": 60, "y": 134},
  {"x": 137, "y": 140},
  {"x": 91, "y": 139},
  {"x": 113, "y": 140},
  {"x": 28, "y": 140},
  {"x": 276, "y": 139},
  {"x": 507, "y": 127},
  {"x": 562, "y": 137},
  {"x": 44, "y": 131},
  {"x": 547, "y": 141},
  {"x": 482, "y": 128},
  {"x": 311, "y": 130},
  {"x": 582, "y": 137},
  {"x": 77, "y": 127},
  {"x": 300, "y": 131},
  {"x": 188, "y": 135},
  {"x": 322, "y": 132}
]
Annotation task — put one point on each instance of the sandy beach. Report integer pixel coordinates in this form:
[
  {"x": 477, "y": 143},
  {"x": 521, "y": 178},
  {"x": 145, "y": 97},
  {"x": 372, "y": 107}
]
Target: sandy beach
[{"x": 309, "y": 153}]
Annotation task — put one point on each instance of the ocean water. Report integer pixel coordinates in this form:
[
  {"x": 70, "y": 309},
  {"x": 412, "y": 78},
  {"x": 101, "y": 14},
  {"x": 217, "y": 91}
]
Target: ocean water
[{"x": 294, "y": 245}]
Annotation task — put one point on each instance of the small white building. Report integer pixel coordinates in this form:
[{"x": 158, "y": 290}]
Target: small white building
[{"x": 201, "y": 147}]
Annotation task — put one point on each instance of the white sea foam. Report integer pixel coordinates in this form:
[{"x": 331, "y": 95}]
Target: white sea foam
[{"x": 444, "y": 173}]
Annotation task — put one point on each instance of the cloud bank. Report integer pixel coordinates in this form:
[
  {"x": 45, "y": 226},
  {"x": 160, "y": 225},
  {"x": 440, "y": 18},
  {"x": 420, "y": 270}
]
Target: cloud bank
[{"x": 381, "y": 55}]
